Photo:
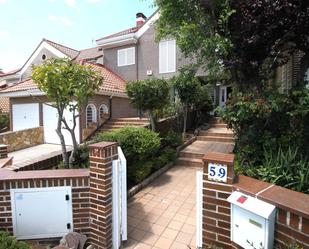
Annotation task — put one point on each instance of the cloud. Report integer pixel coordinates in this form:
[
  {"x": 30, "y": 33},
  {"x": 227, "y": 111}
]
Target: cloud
[
  {"x": 93, "y": 1},
  {"x": 60, "y": 19},
  {"x": 4, "y": 34},
  {"x": 3, "y": 1},
  {"x": 70, "y": 3}
]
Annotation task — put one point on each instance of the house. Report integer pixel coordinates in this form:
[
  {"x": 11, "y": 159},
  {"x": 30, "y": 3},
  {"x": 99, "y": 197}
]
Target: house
[
  {"x": 29, "y": 106},
  {"x": 134, "y": 54}
]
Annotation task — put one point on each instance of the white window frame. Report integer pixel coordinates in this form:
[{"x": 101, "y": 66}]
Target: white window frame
[
  {"x": 167, "y": 69},
  {"x": 93, "y": 113},
  {"x": 125, "y": 51}
]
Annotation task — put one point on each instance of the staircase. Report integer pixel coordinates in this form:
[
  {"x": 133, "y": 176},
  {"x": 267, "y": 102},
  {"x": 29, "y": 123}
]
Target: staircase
[
  {"x": 117, "y": 123},
  {"x": 216, "y": 139}
]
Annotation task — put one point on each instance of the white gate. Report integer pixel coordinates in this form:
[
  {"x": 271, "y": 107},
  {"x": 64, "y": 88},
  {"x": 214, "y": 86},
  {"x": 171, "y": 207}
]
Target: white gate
[
  {"x": 119, "y": 181},
  {"x": 199, "y": 208}
]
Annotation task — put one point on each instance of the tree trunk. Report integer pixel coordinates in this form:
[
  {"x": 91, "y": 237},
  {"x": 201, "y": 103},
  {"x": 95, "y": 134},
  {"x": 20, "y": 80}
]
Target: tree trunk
[
  {"x": 152, "y": 121},
  {"x": 185, "y": 117},
  {"x": 72, "y": 133},
  {"x": 61, "y": 137}
]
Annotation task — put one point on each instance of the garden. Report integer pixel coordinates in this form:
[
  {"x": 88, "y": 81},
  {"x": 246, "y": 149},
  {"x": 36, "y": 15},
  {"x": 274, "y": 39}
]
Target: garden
[{"x": 260, "y": 49}]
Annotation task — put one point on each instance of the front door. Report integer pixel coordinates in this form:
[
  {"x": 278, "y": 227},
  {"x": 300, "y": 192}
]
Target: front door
[{"x": 222, "y": 96}]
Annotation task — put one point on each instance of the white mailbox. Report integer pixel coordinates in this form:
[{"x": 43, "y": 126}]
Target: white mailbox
[{"x": 252, "y": 221}]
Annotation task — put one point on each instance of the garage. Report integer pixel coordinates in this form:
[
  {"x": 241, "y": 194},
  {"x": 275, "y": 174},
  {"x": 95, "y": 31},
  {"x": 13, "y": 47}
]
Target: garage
[
  {"x": 25, "y": 116},
  {"x": 50, "y": 118}
]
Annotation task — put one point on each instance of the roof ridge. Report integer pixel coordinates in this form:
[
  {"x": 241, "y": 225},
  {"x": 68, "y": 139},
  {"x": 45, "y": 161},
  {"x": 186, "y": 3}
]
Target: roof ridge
[
  {"x": 44, "y": 39},
  {"x": 105, "y": 67},
  {"x": 18, "y": 83},
  {"x": 132, "y": 29}
]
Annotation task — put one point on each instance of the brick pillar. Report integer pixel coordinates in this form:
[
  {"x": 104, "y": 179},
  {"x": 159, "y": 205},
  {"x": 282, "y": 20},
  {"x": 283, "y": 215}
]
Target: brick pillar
[
  {"x": 101, "y": 158},
  {"x": 216, "y": 209},
  {"x": 3, "y": 151}
]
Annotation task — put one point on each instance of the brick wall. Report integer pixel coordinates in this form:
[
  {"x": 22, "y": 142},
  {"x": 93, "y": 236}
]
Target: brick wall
[
  {"x": 78, "y": 179},
  {"x": 292, "y": 222},
  {"x": 91, "y": 193}
]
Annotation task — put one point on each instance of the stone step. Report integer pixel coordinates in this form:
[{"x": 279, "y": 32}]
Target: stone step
[
  {"x": 216, "y": 134},
  {"x": 188, "y": 154},
  {"x": 216, "y": 139},
  {"x": 190, "y": 162}
]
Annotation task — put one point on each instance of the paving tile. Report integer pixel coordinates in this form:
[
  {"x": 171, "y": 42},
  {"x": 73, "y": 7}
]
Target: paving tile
[
  {"x": 180, "y": 218},
  {"x": 176, "y": 225},
  {"x": 163, "y": 221},
  {"x": 157, "y": 229},
  {"x": 150, "y": 238},
  {"x": 178, "y": 245},
  {"x": 169, "y": 233},
  {"x": 137, "y": 234},
  {"x": 184, "y": 238},
  {"x": 163, "y": 243},
  {"x": 142, "y": 246},
  {"x": 186, "y": 228}
]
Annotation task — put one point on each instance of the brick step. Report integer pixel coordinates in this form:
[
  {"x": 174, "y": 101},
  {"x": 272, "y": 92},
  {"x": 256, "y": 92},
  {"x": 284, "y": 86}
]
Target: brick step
[
  {"x": 218, "y": 125},
  {"x": 126, "y": 123},
  {"x": 216, "y": 120},
  {"x": 215, "y": 134},
  {"x": 108, "y": 126},
  {"x": 188, "y": 154},
  {"x": 216, "y": 139},
  {"x": 143, "y": 120},
  {"x": 190, "y": 162}
]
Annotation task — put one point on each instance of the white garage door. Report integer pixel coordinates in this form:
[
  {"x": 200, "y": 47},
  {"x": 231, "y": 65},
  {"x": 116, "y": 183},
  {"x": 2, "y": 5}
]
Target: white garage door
[
  {"x": 50, "y": 119},
  {"x": 25, "y": 116}
]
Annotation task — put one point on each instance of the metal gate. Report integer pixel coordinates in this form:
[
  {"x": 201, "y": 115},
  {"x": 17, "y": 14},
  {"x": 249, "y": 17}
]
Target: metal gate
[{"x": 119, "y": 181}]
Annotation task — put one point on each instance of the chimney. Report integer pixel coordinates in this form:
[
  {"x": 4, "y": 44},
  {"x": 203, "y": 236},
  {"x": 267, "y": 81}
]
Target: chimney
[{"x": 140, "y": 19}]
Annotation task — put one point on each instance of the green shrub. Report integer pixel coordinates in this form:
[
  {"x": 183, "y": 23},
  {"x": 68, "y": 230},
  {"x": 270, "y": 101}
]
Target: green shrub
[
  {"x": 284, "y": 168},
  {"x": 268, "y": 120},
  {"x": 81, "y": 157},
  {"x": 9, "y": 242},
  {"x": 165, "y": 156},
  {"x": 173, "y": 139},
  {"x": 139, "y": 171},
  {"x": 137, "y": 143}
]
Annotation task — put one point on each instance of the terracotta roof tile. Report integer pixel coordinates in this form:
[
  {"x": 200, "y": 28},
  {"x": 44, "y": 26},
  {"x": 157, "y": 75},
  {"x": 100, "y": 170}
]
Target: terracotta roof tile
[
  {"x": 90, "y": 53},
  {"x": 72, "y": 53},
  {"x": 4, "y": 104},
  {"x": 112, "y": 82},
  {"x": 124, "y": 32}
]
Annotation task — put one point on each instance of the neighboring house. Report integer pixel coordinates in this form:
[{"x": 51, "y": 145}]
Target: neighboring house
[
  {"x": 134, "y": 54},
  {"x": 27, "y": 103}
]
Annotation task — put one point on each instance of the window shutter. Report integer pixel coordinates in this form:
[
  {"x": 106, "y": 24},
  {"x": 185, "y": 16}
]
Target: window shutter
[
  {"x": 130, "y": 56},
  {"x": 171, "y": 56},
  {"x": 121, "y": 57},
  {"x": 167, "y": 56}
]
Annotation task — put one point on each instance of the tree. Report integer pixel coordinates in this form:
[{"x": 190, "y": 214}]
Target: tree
[
  {"x": 149, "y": 95},
  {"x": 68, "y": 85},
  {"x": 188, "y": 88},
  {"x": 239, "y": 41}
]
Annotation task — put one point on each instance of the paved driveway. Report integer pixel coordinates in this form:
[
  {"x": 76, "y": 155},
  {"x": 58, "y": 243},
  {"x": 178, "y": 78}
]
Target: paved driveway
[{"x": 163, "y": 214}]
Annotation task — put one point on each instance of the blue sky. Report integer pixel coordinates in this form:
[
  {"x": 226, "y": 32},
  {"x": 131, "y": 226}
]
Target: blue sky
[{"x": 74, "y": 23}]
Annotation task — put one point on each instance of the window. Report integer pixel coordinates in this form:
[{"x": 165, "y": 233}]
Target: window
[
  {"x": 91, "y": 114},
  {"x": 103, "y": 111},
  {"x": 167, "y": 56},
  {"x": 126, "y": 57}
]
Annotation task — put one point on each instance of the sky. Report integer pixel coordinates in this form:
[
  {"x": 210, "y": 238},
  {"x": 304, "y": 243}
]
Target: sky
[{"x": 73, "y": 23}]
